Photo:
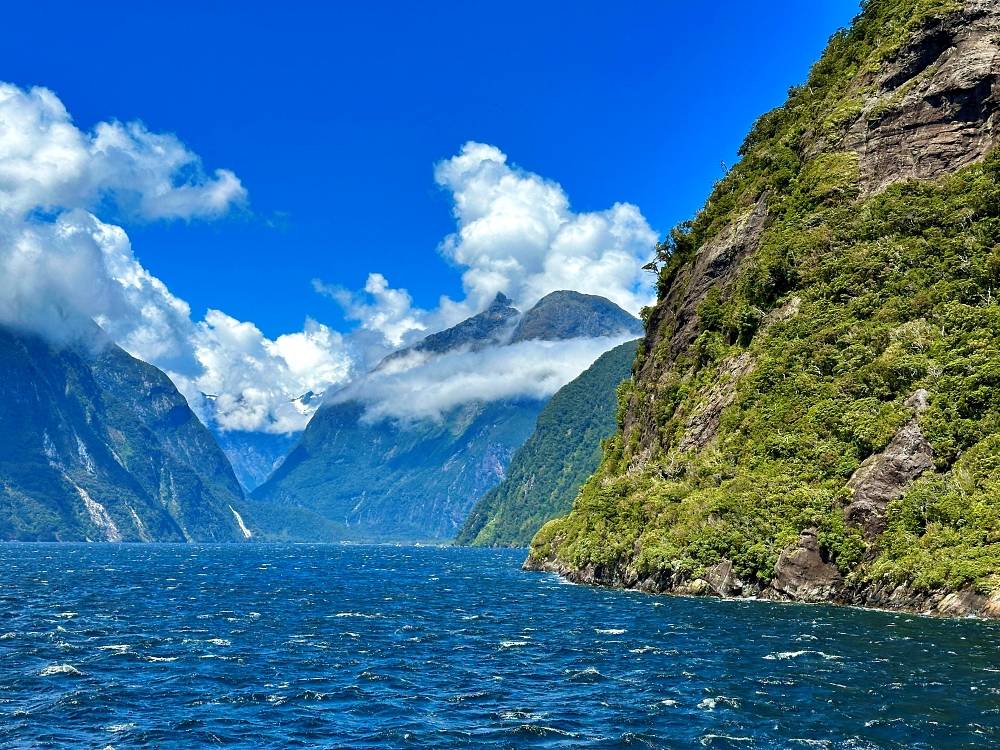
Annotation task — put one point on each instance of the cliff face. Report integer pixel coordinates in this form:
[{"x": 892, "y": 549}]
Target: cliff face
[
  {"x": 815, "y": 413},
  {"x": 97, "y": 445}
]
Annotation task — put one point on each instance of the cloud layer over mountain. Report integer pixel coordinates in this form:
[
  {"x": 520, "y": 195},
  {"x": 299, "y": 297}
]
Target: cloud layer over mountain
[
  {"x": 58, "y": 262},
  {"x": 419, "y": 387}
]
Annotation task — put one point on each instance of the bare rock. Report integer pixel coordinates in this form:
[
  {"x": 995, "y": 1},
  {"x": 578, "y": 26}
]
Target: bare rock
[
  {"x": 804, "y": 571},
  {"x": 991, "y": 607},
  {"x": 703, "y": 424},
  {"x": 884, "y": 477},
  {"x": 675, "y": 318},
  {"x": 934, "y": 108},
  {"x": 963, "y": 603},
  {"x": 699, "y": 587},
  {"x": 722, "y": 580}
]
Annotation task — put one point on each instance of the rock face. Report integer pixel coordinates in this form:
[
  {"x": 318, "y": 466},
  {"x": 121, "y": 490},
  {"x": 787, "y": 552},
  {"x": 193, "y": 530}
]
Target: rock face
[
  {"x": 675, "y": 319},
  {"x": 935, "y": 107},
  {"x": 96, "y": 445},
  {"x": 701, "y": 425},
  {"x": 384, "y": 480},
  {"x": 884, "y": 477},
  {"x": 804, "y": 571}
]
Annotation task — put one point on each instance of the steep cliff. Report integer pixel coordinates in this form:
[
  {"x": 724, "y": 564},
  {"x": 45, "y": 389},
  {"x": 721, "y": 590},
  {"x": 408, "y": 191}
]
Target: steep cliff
[
  {"x": 546, "y": 473},
  {"x": 816, "y": 408},
  {"x": 97, "y": 445}
]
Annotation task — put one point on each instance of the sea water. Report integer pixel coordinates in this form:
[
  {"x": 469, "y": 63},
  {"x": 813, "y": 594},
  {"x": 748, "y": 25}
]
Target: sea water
[{"x": 378, "y": 646}]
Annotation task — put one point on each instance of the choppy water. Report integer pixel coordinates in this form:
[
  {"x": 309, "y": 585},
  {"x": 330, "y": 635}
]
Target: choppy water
[{"x": 330, "y": 646}]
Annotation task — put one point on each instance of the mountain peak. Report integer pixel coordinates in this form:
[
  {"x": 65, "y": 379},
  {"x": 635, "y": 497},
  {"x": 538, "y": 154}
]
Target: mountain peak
[
  {"x": 566, "y": 314},
  {"x": 501, "y": 300}
]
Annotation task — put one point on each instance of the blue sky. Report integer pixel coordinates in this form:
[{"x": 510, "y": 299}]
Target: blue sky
[{"x": 333, "y": 115}]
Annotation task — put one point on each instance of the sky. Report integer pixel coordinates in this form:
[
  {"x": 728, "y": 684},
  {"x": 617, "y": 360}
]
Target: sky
[{"x": 370, "y": 148}]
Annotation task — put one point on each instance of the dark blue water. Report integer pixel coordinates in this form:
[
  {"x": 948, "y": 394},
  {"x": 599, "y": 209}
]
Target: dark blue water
[{"x": 329, "y": 646}]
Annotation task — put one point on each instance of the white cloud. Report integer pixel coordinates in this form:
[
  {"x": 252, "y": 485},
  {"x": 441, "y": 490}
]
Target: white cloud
[
  {"x": 518, "y": 235},
  {"x": 420, "y": 387},
  {"x": 253, "y": 382},
  {"x": 391, "y": 313},
  {"x": 59, "y": 263},
  {"x": 48, "y": 163}
]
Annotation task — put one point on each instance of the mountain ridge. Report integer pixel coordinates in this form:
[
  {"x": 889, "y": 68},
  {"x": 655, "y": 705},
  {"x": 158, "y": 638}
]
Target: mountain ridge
[{"x": 96, "y": 444}]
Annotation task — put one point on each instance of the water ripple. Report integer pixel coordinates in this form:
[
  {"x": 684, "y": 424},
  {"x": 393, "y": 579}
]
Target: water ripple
[{"x": 356, "y": 647}]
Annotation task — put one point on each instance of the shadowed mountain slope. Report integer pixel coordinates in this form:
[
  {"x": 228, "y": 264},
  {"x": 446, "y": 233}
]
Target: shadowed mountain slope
[{"x": 95, "y": 444}]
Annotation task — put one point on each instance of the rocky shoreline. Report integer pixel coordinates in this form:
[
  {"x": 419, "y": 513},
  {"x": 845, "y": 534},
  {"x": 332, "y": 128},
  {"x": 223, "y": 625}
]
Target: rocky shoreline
[{"x": 787, "y": 586}]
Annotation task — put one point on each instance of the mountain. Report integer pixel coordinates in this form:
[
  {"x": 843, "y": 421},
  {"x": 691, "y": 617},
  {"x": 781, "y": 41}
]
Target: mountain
[
  {"x": 546, "y": 473},
  {"x": 816, "y": 408},
  {"x": 254, "y": 455},
  {"x": 492, "y": 327},
  {"x": 97, "y": 445},
  {"x": 356, "y": 476},
  {"x": 570, "y": 315}
]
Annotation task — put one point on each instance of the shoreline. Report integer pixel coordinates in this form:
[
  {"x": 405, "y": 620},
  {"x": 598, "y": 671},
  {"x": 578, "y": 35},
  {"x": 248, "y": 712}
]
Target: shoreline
[{"x": 959, "y": 605}]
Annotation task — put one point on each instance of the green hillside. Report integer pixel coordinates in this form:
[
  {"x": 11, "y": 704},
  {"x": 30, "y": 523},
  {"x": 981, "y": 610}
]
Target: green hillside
[
  {"x": 546, "y": 473},
  {"x": 825, "y": 353}
]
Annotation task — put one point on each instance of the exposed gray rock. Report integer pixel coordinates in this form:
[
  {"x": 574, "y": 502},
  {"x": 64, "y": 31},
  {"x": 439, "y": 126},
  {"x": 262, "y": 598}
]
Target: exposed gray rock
[
  {"x": 884, "y": 477},
  {"x": 935, "y": 107},
  {"x": 804, "y": 571},
  {"x": 702, "y": 425},
  {"x": 723, "y": 580},
  {"x": 675, "y": 318}
]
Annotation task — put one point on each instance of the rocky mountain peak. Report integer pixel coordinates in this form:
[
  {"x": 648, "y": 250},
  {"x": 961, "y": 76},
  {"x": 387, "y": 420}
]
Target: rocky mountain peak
[{"x": 567, "y": 315}]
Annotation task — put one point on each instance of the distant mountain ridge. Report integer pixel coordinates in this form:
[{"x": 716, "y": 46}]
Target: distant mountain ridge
[
  {"x": 386, "y": 481},
  {"x": 97, "y": 445}
]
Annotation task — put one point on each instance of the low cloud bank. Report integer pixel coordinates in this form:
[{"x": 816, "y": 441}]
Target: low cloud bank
[
  {"x": 419, "y": 388},
  {"x": 59, "y": 262}
]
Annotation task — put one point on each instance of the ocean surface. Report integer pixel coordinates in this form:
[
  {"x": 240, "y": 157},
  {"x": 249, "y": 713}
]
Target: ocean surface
[{"x": 363, "y": 646}]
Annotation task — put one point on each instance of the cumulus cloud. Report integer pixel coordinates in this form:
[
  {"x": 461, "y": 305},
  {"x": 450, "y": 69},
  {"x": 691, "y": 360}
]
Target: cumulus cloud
[
  {"x": 60, "y": 264},
  {"x": 518, "y": 235},
  {"x": 254, "y": 384},
  {"x": 420, "y": 387}
]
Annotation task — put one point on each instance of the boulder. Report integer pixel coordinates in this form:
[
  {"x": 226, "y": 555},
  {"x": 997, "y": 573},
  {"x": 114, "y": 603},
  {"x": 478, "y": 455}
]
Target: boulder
[{"x": 804, "y": 571}]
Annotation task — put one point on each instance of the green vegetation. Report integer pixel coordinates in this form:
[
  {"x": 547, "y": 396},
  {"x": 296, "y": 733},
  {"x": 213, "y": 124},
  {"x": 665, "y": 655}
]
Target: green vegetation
[
  {"x": 895, "y": 292},
  {"x": 546, "y": 473}
]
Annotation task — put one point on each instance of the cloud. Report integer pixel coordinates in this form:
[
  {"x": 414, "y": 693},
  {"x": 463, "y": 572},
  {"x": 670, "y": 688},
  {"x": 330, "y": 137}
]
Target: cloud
[
  {"x": 518, "y": 235},
  {"x": 419, "y": 387},
  {"x": 254, "y": 384},
  {"x": 60, "y": 264},
  {"x": 46, "y": 163}
]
